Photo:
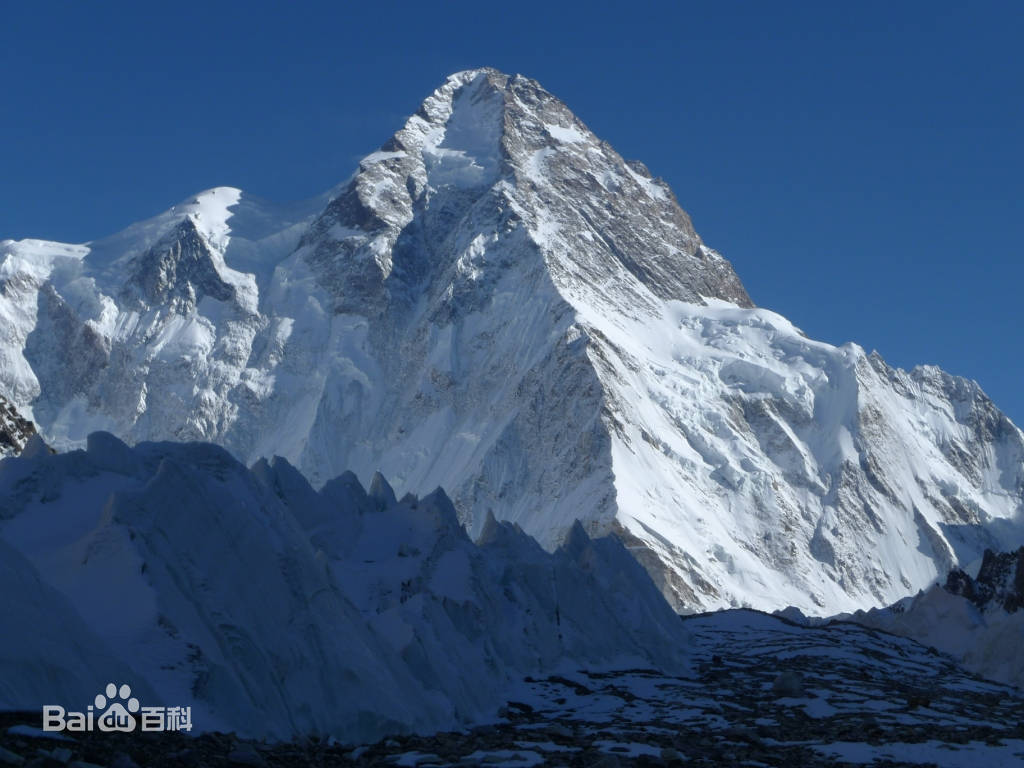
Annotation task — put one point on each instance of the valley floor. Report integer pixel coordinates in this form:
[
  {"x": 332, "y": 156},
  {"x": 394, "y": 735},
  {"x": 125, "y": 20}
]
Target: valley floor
[{"x": 765, "y": 692}]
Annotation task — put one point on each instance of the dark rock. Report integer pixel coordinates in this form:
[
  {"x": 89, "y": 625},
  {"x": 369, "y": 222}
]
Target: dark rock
[
  {"x": 671, "y": 756},
  {"x": 122, "y": 760},
  {"x": 61, "y": 754},
  {"x": 245, "y": 754},
  {"x": 1000, "y": 581},
  {"x": 184, "y": 757},
  {"x": 788, "y": 683}
]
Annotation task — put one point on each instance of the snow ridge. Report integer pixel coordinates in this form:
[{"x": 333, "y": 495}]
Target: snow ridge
[{"x": 276, "y": 610}]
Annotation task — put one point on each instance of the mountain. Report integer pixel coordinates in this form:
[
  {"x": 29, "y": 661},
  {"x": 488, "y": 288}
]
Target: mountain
[
  {"x": 497, "y": 303},
  {"x": 278, "y": 611}
]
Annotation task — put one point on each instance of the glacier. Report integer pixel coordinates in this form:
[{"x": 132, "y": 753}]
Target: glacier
[
  {"x": 277, "y": 611},
  {"x": 497, "y": 303}
]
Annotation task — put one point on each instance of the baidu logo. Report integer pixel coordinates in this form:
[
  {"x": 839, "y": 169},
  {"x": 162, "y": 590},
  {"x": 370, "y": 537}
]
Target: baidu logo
[
  {"x": 116, "y": 718},
  {"x": 117, "y": 710}
]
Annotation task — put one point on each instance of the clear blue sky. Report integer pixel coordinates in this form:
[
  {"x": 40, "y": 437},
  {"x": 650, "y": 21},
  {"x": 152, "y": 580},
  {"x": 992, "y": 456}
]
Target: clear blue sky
[{"x": 862, "y": 164}]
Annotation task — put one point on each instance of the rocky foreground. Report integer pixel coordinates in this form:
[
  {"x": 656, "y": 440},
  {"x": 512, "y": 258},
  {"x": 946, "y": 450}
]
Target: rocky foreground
[{"x": 766, "y": 692}]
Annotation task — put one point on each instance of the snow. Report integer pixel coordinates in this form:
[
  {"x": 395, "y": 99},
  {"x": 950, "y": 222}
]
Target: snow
[
  {"x": 721, "y": 354},
  {"x": 650, "y": 187},
  {"x": 738, "y": 654},
  {"x": 507, "y": 758},
  {"x": 183, "y": 338},
  {"x": 970, "y": 755},
  {"x": 568, "y": 134},
  {"x": 466, "y": 153},
  {"x": 24, "y": 266},
  {"x": 627, "y": 749},
  {"x": 174, "y": 567},
  {"x": 984, "y": 641},
  {"x": 377, "y": 157}
]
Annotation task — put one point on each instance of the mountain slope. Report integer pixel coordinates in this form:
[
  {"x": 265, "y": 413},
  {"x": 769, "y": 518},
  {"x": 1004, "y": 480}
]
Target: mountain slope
[{"x": 499, "y": 304}]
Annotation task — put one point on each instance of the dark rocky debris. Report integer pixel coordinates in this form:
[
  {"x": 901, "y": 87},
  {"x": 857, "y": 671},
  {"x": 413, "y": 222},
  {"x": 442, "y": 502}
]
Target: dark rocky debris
[{"x": 763, "y": 692}]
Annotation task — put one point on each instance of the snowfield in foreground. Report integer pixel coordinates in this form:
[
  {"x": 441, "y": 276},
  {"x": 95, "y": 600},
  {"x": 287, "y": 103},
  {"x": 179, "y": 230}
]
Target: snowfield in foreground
[{"x": 498, "y": 304}]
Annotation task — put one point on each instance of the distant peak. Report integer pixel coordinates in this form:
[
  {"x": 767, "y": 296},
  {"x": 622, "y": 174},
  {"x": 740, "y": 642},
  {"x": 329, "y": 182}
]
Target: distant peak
[
  {"x": 468, "y": 75},
  {"x": 177, "y": 271},
  {"x": 515, "y": 92},
  {"x": 217, "y": 192}
]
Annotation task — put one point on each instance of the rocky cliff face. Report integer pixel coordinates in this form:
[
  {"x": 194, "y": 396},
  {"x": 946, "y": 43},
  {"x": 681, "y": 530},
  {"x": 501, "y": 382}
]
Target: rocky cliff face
[
  {"x": 15, "y": 431},
  {"x": 497, "y": 303},
  {"x": 999, "y": 583}
]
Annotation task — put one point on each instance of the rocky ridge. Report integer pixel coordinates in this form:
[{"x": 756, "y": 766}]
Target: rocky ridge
[
  {"x": 15, "y": 430},
  {"x": 999, "y": 582}
]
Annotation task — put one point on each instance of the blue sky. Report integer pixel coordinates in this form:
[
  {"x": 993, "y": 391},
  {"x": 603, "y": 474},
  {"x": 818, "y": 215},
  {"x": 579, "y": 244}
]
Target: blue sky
[{"x": 861, "y": 164}]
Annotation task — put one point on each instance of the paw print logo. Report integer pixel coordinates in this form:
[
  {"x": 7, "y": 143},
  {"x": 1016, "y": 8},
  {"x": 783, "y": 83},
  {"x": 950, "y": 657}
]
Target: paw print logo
[{"x": 117, "y": 717}]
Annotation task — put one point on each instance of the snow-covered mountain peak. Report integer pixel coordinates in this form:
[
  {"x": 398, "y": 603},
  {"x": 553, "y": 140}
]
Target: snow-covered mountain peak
[
  {"x": 463, "y": 131},
  {"x": 179, "y": 271},
  {"x": 497, "y": 303},
  {"x": 491, "y": 157},
  {"x": 208, "y": 211}
]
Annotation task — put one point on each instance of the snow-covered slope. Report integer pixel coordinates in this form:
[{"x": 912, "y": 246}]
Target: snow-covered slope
[
  {"x": 275, "y": 610},
  {"x": 976, "y": 619},
  {"x": 499, "y": 304}
]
